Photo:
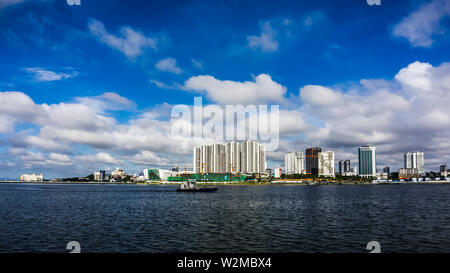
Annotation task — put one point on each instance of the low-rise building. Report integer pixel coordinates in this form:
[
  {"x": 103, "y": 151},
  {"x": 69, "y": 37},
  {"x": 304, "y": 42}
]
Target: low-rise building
[
  {"x": 31, "y": 177},
  {"x": 277, "y": 173},
  {"x": 406, "y": 173}
]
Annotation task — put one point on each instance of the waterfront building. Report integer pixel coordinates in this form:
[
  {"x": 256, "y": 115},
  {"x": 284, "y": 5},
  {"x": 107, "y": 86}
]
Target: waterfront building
[
  {"x": 367, "y": 161},
  {"x": 100, "y": 175},
  {"x": 232, "y": 157},
  {"x": 277, "y": 173},
  {"x": 344, "y": 167},
  {"x": 118, "y": 173},
  {"x": 387, "y": 170},
  {"x": 341, "y": 167},
  {"x": 294, "y": 163},
  {"x": 415, "y": 160},
  {"x": 312, "y": 160},
  {"x": 326, "y": 164},
  {"x": 443, "y": 170},
  {"x": 347, "y": 165},
  {"x": 32, "y": 177},
  {"x": 406, "y": 173}
]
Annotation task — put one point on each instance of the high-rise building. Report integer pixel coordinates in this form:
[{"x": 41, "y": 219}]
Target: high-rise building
[
  {"x": 415, "y": 160},
  {"x": 232, "y": 157},
  {"x": 344, "y": 166},
  {"x": 312, "y": 160},
  {"x": 367, "y": 161},
  {"x": 443, "y": 168},
  {"x": 326, "y": 164},
  {"x": 406, "y": 173},
  {"x": 387, "y": 170},
  {"x": 294, "y": 163},
  {"x": 347, "y": 166}
]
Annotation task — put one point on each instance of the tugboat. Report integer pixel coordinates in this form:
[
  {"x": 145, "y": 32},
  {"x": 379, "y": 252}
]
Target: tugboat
[{"x": 191, "y": 186}]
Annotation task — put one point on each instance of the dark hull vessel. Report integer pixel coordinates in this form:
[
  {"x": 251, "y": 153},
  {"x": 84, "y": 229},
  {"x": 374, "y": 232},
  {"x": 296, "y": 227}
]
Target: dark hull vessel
[
  {"x": 198, "y": 190},
  {"x": 191, "y": 186}
]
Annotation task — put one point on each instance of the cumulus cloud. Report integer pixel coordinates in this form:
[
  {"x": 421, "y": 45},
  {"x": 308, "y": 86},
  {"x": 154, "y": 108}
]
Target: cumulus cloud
[
  {"x": 130, "y": 42},
  {"x": 406, "y": 113},
  {"x": 44, "y": 75},
  {"x": 168, "y": 65},
  {"x": 266, "y": 41},
  {"x": 423, "y": 25},
  {"x": 262, "y": 90},
  {"x": 104, "y": 158},
  {"x": 106, "y": 101}
]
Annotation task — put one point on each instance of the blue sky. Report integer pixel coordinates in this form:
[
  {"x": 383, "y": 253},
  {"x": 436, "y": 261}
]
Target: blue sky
[{"x": 132, "y": 60}]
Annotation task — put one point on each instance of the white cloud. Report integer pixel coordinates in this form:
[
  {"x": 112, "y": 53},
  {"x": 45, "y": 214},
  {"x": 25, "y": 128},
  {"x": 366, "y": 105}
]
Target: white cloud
[
  {"x": 263, "y": 89},
  {"x": 106, "y": 101},
  {"x": 197, "y": 64},
  {"x": 168, "y": 65},
  {"x": 44, "y": 75},
  {"x": 424, "y": 24},
  {"x": 266, "y": 41},
  {"x": 131, "y": 42},
  {"x": 101, "y": 157},
  {"x": 409, "y": 112}
]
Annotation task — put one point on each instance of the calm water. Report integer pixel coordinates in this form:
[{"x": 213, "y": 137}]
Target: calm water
[{"x": 134, "y": 218}]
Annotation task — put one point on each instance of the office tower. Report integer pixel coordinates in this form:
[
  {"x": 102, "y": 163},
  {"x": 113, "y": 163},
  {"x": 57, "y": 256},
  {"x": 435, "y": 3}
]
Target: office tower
[
  {"x": 367, "y": 161},
  {"x": 347, "y": 166},
  {"x": 294, "y": 163},
  {"x": 326, "y": 164},
  {"x": 312, "y": 160},
  {"x": 344, "y": 166},
  {"x": 387, "y": 170},
  {"x": 415, "y": 160},
  {"x": 443, "y": 168},
  {"x": 232, "y": 157}
]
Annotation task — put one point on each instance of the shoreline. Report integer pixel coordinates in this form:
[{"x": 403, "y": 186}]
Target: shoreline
[{"x": 343, "y": 183}]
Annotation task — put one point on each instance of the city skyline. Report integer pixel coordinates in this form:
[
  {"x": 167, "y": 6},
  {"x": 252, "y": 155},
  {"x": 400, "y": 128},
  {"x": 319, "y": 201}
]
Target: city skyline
[{"x": 85, "y": 90}]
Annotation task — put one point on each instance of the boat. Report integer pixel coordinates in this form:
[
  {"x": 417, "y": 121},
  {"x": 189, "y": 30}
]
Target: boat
[{"x": 191, "y": 186}]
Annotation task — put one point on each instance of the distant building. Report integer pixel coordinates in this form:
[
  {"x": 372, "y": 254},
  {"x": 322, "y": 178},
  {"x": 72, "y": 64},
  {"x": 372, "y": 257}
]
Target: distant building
[
  {"x": 232, "y": 157},
  {"x": 269, "y": 172},
  {"x": 344, "y": 166},
  {"x": 406, "y": 173},
  {"x": 31, "y": 177},
  {"x": 367, "y": 161},
  {"x": 415, "y": 160},
  {"x": 118, "y": 173},
  {"x": 277, "y": 173},
  {"x": 294, "y": 163},
  {"x": 387, "y": 170},
  {"x": 443, "y": 170},
  {"x": 326, "y": 164},
  {"x": 312, "y": 160},
  {"x": 100, "y": 175}
]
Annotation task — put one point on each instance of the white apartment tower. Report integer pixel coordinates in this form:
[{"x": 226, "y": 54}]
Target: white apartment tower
[
  {"x": 415, "y": 160},
  {"x": 294, "y": 163},
  {"x": 231, "y": 157},
  {"x": 326, "y": 164}
]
